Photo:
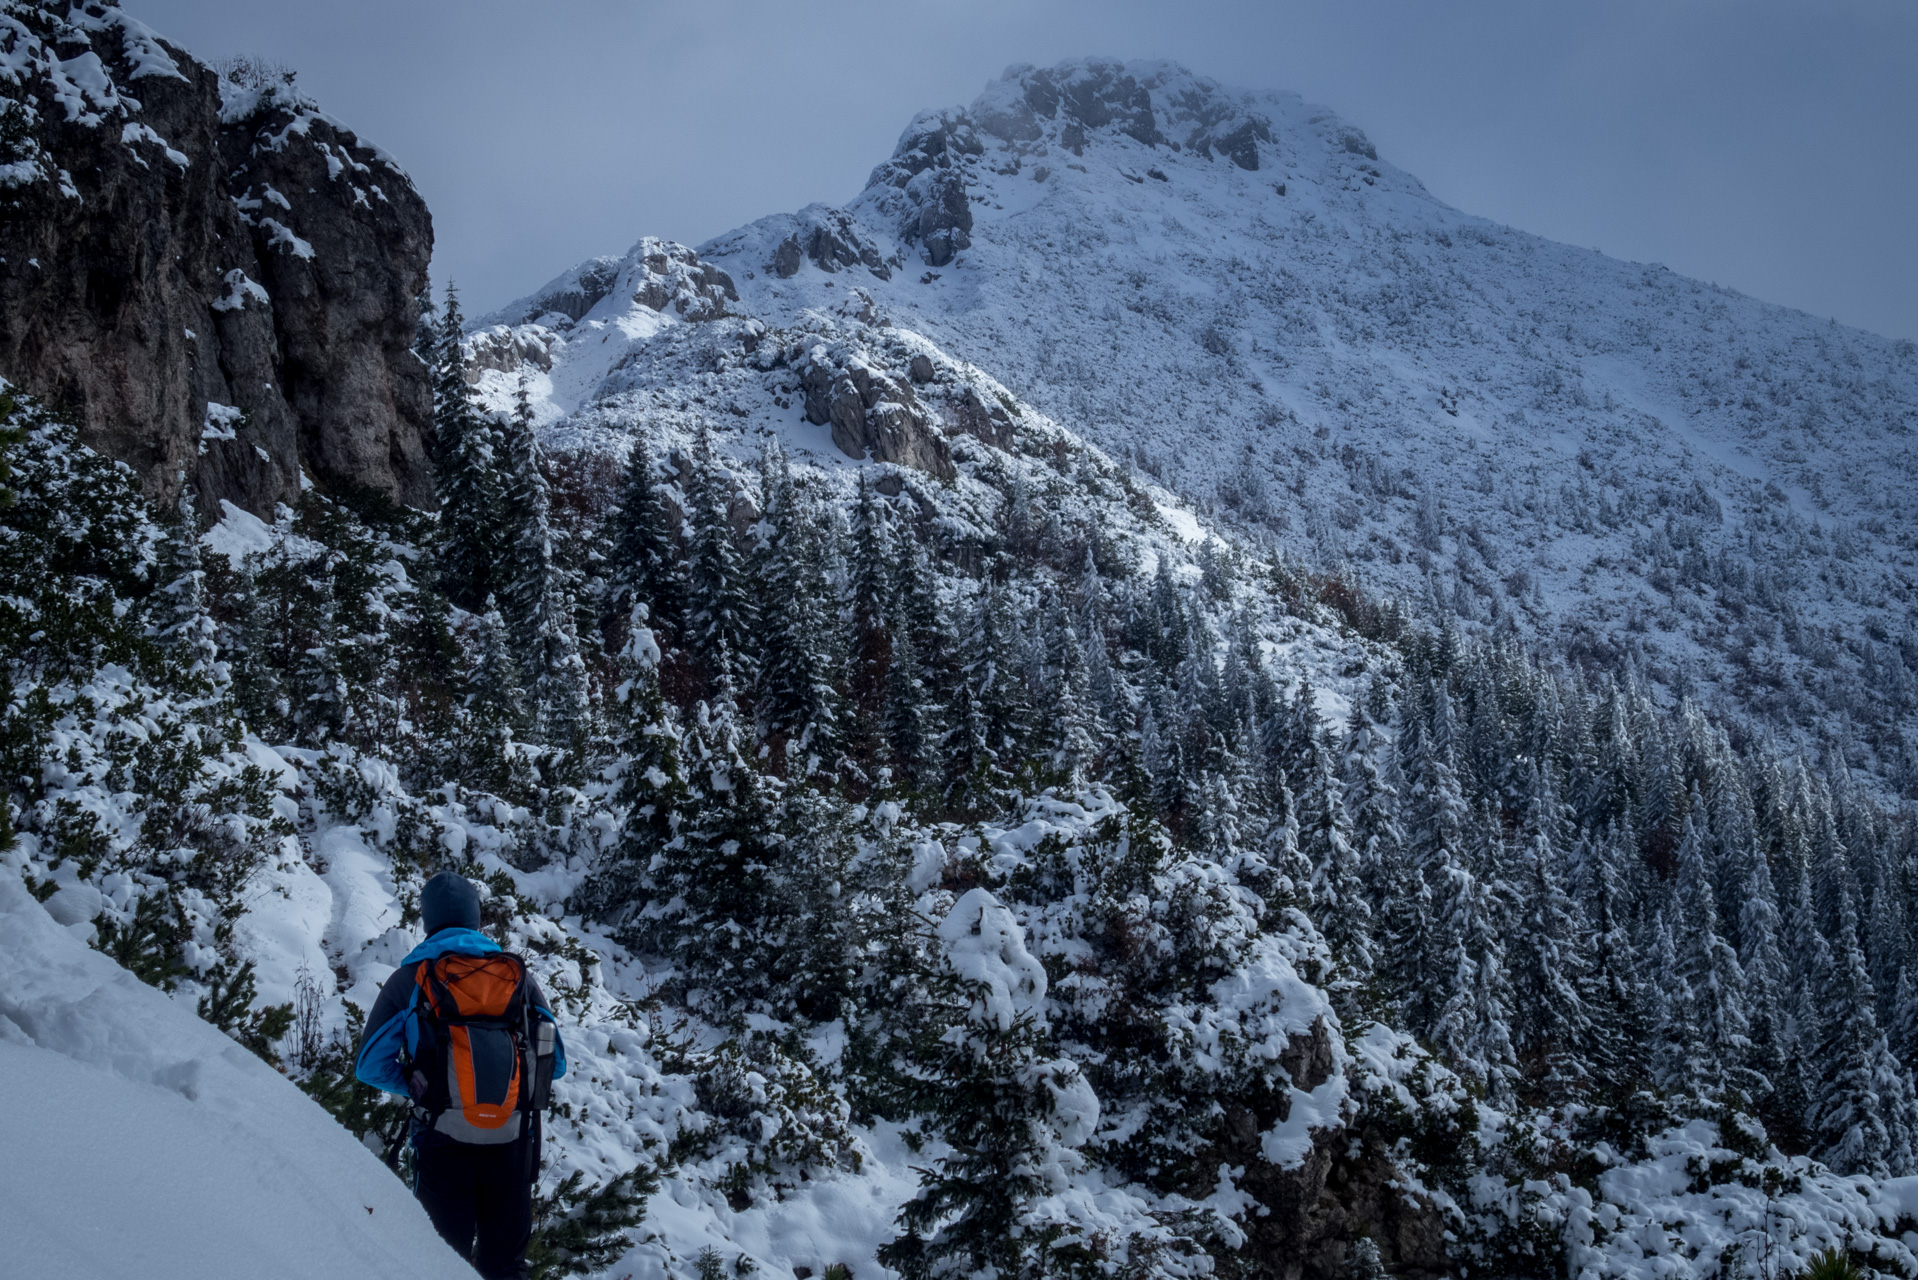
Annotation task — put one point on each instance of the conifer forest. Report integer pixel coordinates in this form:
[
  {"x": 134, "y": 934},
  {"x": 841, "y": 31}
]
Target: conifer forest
[{"x": 956, "y": 849}]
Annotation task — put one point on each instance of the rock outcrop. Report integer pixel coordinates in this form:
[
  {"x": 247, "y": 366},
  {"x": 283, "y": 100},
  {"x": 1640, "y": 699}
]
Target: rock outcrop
[
  {"x": 871, "y": 413},
  {"x": 217, "y": 280},
  {"x": 927, "y": 185},
  {"x": 1346, "y": 1187},
  {"x": 657, "y": 274},
  {"x": 832, "y": 241}
]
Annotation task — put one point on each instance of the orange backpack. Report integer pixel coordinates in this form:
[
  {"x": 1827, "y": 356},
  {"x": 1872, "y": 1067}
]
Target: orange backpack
[{"x": 475, "y": 1070}]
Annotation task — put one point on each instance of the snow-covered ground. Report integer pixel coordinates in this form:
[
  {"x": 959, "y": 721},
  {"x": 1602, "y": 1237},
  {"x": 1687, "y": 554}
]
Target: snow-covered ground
[{"x": 139, "y": 1141}]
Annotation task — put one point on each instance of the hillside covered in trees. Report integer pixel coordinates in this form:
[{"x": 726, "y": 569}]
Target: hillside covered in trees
[{"x": 953, "y": 849}]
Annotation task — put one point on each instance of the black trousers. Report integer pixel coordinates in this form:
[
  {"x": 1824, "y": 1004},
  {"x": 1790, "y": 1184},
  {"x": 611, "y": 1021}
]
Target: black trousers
[{"x": 480, "y": 1199}]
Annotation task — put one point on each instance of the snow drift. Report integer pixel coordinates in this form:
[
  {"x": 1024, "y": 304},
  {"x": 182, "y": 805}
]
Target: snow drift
[{"x": 141, "y": 1141}]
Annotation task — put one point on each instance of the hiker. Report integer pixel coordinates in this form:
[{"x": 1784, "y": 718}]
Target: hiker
[{"x": 463, "y": 1030}]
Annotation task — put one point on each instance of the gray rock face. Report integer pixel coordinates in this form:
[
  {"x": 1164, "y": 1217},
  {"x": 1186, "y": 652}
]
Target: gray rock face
[
  {"x": 573, "y": 294},
  {"x": 945, "y": 216},
  {"x": 221, "y": 293},
  {"x": 672, "y": 275},
  {"x": 344, "y": 266},
  {"x": 972, "y": 415},
  {"x": 831, "y": 240},
  {"x": 508, "y": 350},
  {"x": 871, "y": 413},
  {"x": 787, "y": 255}
]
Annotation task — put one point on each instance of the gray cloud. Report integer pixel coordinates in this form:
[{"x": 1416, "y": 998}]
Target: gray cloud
[{"x": 1764, "y": 144}]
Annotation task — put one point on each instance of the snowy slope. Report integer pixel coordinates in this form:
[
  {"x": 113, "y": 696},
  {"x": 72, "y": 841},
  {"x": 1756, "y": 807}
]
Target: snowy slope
[
  {"x": 161, "y": 1148},
  {"x": 1604, "y": 451},
  {"x": 1231, "y": 290}
]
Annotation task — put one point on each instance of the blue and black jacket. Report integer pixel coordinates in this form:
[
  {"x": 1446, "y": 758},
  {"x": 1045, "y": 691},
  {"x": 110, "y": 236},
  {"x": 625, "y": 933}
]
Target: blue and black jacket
[{"x": 392, "y": 1028}]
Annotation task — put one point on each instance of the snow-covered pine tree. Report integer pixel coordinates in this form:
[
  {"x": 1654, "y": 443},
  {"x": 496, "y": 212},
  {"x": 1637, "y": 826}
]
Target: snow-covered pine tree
[
  {"x": 491, "y": 753},
  {"x": 1760, "y": 954},
  {"x": 1142, "y": 941},
  {"x": 1341, "y": 904},
  {"x": 1902, "y": 1026},
  {"x": 259, "y": 691},
  {"x": 1163, "y": 626},
  {"x": 651, "y": 792},
  {"x": 321, "y": 700},
  {"x": 917, "y": 676},
  {"x": 994, "y": 668},
  {"x": 178, "y": 614},
  {"x": 872, "y": 628},
  {"x": 1861, "y": 1113},
  {"x": 1011, "y": 1111},
  {"x": 720, "y": 622},
  {"x": 1070, "y": 719},
  {"x": 815, "y": 875},
  {"x": 990, "y": 714},
  {"x": 715, "y": 902},
  {"x": 1371, "y": 799},
  {"x": 645, "y": 566},
  {"x": 1168, "y": 786},
  {"x": 1551, "y": 1026},
  {"x": 799, "y": 709},
  {"x": 1438, "y": 820},
  {"x": 1471, "y": 1028},
  {"x": 1708, "y": 964},
  {"x": 466, "y": 474},
  {"x": 1217, "y": 829},
  {"x": 536, "y": 591},
  {"x": 1614, "y": 995}
]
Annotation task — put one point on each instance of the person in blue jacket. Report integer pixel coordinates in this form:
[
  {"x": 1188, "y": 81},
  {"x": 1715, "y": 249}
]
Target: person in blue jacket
[{"x": 476, "y": 1186}]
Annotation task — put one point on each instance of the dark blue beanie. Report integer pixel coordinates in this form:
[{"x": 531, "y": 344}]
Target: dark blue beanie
[{"x": 449, "y": 901}]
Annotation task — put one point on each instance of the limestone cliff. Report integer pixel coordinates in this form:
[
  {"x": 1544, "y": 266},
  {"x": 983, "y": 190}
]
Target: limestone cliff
[{"x": 216, "y": 279}]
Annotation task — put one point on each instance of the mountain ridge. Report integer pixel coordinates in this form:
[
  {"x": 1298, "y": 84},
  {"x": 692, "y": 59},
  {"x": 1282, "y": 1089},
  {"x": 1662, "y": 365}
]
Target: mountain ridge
[{"x": 1231, "y": 291}]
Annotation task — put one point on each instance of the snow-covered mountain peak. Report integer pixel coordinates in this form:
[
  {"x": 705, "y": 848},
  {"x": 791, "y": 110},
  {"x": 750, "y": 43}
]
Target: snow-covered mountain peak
[
  {"x": 1231, "y": 291},
  {"x": 1493, "y": 426}
]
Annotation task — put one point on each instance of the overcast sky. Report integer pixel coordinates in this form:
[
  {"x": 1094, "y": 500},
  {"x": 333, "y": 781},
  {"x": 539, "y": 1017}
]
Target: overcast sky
[{"x": 1770, "y": 145}]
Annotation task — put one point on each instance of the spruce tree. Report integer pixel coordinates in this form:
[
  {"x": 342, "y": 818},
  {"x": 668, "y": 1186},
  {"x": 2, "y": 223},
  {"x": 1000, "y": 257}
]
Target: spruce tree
[
  {"x": 1862, "y": 1113},
  {"x": 874, "y": 629},
  {"x": 1011, "y": 1112},
  {"x": 720, "y": 621},
  {"x": 537, "y": 591},
  {"x": 918, "y": 677},
  {"x": 497, "y": 711},
  {"x": 1708, "y": 964},
  {"x": 1341, "y": 904},
  {"x": 466, "y": 475},
  {"x": 1436, "y": 853},
  {"x": 321, "y": 701},
  {"x": 1070, "y": 715},
  {"x": 651, "y": 792},
  {"x": 1371, "y": 800},
  {"x": 179, "y": 618},
  {"x": 716, "y": 906},
  {"x": 1551, "y": 1026},
  {"x": 1471, "y": 1025},
  {"x": 643, "y": 552},
  {"x": 1614, "y": 994},
  {"x": 799, "y": 708}
]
